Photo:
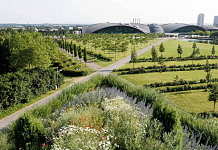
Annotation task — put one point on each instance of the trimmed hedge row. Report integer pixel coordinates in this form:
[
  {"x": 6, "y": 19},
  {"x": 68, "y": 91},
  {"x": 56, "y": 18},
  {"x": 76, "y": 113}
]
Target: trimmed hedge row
[
  {"x": 180, "y": 82},
  {"x": 168, "y": 69},
  {"x": 178, "y": 58},
  {"x": 74, "y": 73},
  {"x": 22, "y": 86},
  {"x": 206, "y": 128},
  {"x": 99, "y": 56},
  {"x": 184, "y": 88}
]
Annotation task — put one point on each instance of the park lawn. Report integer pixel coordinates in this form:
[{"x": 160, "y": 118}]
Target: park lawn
[
  {"x": 148, "y": 78},
  {"x": 171, "y": 49},
  {"x": 191, "y": 101},
  {"x": 168, "y": 63},
  {"x": 119, "y": 55}
]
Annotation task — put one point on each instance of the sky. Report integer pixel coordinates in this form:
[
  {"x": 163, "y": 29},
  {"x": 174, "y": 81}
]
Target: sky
[{"x": 100, "y": 11}]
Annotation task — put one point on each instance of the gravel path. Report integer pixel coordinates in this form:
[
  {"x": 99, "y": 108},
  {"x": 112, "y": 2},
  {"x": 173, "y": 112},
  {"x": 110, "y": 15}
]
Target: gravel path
[{"x": 106, "y": 70}]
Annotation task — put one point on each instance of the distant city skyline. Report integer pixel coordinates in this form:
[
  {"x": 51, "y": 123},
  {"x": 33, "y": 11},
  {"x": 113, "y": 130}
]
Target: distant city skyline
[
  {"x": 200, "y": 20},
  {"x": 97, "y": 11}
]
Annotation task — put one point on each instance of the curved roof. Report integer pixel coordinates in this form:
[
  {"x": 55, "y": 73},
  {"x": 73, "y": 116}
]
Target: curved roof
[
  {"x": 155, "y": 28},
  {"x": 96, "y": 27},
  {"x": 169, "y": 28}
]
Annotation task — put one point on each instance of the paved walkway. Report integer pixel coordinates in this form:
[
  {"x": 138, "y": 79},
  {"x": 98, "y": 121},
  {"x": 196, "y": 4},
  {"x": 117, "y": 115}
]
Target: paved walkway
[{"x": 106, "y": 70}]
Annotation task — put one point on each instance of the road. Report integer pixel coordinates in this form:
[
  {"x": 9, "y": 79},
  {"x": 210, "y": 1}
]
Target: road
[{"x": 5, "y": 122}]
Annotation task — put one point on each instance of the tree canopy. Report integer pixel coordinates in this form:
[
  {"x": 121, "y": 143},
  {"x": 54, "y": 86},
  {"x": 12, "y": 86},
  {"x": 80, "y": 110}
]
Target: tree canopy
[{"x": 26, "y": 50}]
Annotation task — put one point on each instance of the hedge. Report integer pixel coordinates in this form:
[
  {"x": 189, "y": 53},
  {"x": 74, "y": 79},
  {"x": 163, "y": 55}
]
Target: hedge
[
  {"x": 178, "y": 58},
  {"x": 167, "y": 69},
  {"x": 184, "y": 88},
  {"x": 180, "y": 82},
  {"x": 22, "y": 86},
  {"x": 98, "y": 56},
  {"x": 171, "y": 117}
]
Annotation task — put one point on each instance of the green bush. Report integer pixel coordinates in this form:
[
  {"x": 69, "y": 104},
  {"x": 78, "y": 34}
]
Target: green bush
[
  {"x": 5, "y": 143},
  {"x": 170, "y": 120},
  {"x": 207, "y": 128},
  {"x": 22, "y": 86},
  {"x": 28, "y": 133}
]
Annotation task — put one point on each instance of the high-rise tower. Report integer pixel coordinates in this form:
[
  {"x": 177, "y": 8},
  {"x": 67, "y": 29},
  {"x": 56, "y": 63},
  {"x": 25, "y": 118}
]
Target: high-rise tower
[
  {"x": 215, "y": 22},
  {"x": 200, "y": 21}
]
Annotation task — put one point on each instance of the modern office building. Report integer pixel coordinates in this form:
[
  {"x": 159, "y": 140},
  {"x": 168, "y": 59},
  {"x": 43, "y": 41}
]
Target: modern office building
[
  {"x": 200, "y": 21},
  {"x": 215, "y": 22}
]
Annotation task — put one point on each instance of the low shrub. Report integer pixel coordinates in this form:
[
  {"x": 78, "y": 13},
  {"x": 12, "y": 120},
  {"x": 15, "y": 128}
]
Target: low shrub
[
  {"x": 152, "y": 69},
  {"x": 28, "y": 133},
  {"x": 180, "y": 82},
  {"x": 99, "y": 56},
  {"x": 74, "y": 73},
  {"x": 207, "y": 128},
  {"x": 184, "y": 88},
  {"x": 179, "y": 59}
]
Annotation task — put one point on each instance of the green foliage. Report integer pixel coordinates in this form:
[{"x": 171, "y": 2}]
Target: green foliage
[
  {"x": 166, "y": 115},
  {"x": 28, "y": 133},
  {"x": 79, "y": 52},
  {"x": 207, "y": 128},
  {"x": 162, "y": 49},
  {"x": 194, "y": 46},
  {"x": 169, "y": 135},
  {"x": 154, "y": 54},
  {"x": 213, "y": 96},
  {"x": 213, "y": 52},
  {"x": 180, "y": 50},
  {"x": 22, "y": 86},
  {"x": 5, "y": 143},
  {"x": 84, "y": 55},
  {"x": 133, "y": 57},
  {"x": 26, "y": 50}
]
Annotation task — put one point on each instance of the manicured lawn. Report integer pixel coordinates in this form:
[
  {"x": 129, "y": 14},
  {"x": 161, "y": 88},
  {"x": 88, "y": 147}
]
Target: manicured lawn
[
  {"x": 121, "y": 55},
  {"x": 147, "y": 78},
  {"x": 191, "y": 101},
  {"x": 171, "y": 49}
]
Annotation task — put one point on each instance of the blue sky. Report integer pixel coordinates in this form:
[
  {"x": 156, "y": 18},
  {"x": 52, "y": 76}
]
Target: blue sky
[{"x": 95, "y": 11}]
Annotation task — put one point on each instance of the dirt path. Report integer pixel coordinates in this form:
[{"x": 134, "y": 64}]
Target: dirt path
[{"x": 106, "y": 70}]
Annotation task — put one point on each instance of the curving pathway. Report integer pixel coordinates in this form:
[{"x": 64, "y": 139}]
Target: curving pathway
[{"x": 5, "y": 122}]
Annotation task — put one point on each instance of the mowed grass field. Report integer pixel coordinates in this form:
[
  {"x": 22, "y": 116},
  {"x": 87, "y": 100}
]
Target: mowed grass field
[
  {"x": 171, "y": 49},
  {"x": 111, "y": 54},
  {"x": 191, "y": 101},
  {"x": 148, "y": 78},
  {"x": 119, "y": 54}
]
